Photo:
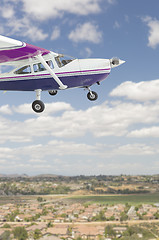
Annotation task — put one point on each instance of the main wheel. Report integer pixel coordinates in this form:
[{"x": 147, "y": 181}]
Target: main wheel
[
  {"x": 53, "y": 92},
  {"x": 92, "y": 96},
  {"x": 38, "y": 106}
]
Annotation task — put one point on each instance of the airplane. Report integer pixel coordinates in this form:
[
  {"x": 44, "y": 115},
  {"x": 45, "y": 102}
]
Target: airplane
[{"x": 37, "y": 69}]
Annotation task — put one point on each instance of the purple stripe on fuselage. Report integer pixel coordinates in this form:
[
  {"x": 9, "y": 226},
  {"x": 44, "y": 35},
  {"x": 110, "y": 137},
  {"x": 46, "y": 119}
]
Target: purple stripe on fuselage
[
  {"x": 50, "y": 83},
  {"x": 21, "y": 53}
]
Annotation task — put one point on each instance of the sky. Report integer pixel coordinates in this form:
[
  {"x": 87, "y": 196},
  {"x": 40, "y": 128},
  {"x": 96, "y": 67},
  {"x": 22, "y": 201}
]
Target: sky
[{"x": 118, "y": 133}]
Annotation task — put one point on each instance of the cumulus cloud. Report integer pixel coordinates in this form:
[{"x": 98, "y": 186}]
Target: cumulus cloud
[
  {"x": 48, "y": 139},
  {"x": 26, "y": 21},
  {"x": 60, "y": 120},
  {"x": 7, "y": 11},
  {"x": 5, "y": 109},
  {"x": 52, "y": 9},
  {"x": 141, "y": 91},
  {"x": 51, "y": 157},
  {"x": 86, "y": 32},
  {"x": 153, "y": 24},
  {"x": 145, "y": 132},
  {"x": 134, "y": 150},
  {"x": 24, "y": 27}
]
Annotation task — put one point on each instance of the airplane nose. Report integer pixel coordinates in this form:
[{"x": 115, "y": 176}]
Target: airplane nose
[
  {"x": 115, "y": 62},
  {"x": 121, "y": 61}
]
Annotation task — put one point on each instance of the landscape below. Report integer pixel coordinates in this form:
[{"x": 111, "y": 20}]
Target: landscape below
[{"x": 82, "y": 207}]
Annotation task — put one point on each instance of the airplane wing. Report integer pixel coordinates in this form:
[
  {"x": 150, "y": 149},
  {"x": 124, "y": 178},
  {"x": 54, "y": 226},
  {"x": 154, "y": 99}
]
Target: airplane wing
[{"x": 13, "y": 50}]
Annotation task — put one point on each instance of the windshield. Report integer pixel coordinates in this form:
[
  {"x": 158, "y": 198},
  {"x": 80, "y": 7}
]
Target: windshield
[{"x": 63, "y": 60}]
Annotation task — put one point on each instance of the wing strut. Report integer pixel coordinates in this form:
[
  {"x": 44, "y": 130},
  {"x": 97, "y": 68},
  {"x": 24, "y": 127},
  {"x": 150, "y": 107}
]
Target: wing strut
[{"x": 55, "y": 77}]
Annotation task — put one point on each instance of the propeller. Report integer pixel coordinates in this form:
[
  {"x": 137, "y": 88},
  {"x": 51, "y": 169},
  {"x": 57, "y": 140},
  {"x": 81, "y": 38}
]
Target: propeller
[{"x": 116, "y": 62}]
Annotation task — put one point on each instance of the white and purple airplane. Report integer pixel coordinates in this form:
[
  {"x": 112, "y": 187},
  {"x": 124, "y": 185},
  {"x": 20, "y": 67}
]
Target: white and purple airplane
[{"x": 37, "y": 69}]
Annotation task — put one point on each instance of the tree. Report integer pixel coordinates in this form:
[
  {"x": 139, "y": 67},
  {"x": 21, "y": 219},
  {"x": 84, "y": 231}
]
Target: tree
[
  {"x": 40, "y": 199},
  {"x": 123, "y": 216},
  {"x": 20, "y": 233},
  {"x": 99, "y": 217},
  {"x": 37, "y": 234},
  {"x": 50, "y": 224},
  {"x": 109, "y": 231}
]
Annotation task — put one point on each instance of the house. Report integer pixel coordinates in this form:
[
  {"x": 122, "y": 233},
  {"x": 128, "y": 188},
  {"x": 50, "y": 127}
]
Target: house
[
  {"x": 40, "y": 226},
  {"x": 87, "y": 231},
  {"x": 60, "y": 231}
]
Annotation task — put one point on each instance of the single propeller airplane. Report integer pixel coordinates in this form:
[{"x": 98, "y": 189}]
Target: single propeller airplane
[{"x": 37, "y": 69}]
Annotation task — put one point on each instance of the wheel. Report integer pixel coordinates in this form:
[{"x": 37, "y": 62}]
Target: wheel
[
  {"x": 92, "y": 96},
  {"x": 53, "y": 92},
  {"x": 38, "y": 106}
]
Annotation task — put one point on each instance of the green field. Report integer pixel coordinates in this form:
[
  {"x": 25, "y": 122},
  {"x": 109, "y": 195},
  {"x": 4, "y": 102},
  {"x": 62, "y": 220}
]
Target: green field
[{"x": 134, "y": 199}]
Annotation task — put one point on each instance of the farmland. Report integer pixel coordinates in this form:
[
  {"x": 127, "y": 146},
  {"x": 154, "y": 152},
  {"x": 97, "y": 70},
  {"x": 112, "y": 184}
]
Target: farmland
[{"x": 132, "y": 199}]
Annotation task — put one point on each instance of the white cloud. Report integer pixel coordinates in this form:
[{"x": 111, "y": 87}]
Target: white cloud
[
  {"x": 5, "y": 109},
  {"x": 86, "y": 32},
  {"x": 7, "y": 11},
  {"x": 141, "y": 91},
  {"x": 153, "y": 24},
  {"x": 25, "y": 22},
  {"x": 145, "y": 132},
  {"x": 35, "y": 33},
  {"x": 51, "y": 157},
  {"x": 134, "y": 150},
  {"x": 26, "y": 28},
  {"x": 56, "y": 33},
  {"x": 51, "y": 9},
  {"x": 60, "y": 125},
  {"x": 60, "y": 120}
]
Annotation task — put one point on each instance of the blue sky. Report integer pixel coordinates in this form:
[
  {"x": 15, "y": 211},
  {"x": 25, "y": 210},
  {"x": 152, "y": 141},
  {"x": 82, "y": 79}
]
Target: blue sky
[{"x": 117, "y": 134}]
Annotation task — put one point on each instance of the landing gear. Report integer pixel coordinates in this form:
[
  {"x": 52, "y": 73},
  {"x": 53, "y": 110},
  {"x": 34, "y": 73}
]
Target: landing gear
[
  {"x": 38, "y": 106},
  {"x": 53, "y": 92},
  {"x": 92, "y": 96}
]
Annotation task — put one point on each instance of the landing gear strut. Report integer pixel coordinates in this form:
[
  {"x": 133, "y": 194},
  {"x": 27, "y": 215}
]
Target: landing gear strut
[
  {"x": 38, "y": 106},
  {"x": 92, "y": 96}
]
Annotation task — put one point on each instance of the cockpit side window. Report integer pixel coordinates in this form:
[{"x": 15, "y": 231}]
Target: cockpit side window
[
  {"x": 50, "y": 63},
  {"x": 23, "y": 70},
  {"x": 62, "y": 61},
  {"x": 38, "y": 67}
]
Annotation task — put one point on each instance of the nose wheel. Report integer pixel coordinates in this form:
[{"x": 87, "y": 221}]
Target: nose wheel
[{"x": 38, "y": 106}]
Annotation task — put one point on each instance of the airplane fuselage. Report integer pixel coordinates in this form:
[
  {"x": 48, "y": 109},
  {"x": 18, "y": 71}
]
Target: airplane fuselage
[{"x": 74, "y": 73}]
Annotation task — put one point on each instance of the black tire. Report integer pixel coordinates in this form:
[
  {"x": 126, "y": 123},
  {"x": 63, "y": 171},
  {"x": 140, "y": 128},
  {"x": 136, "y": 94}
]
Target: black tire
[
  {"x": 38, "y": 106},
  {"x": 53, "y": 92},
  {"x": 93, "y": 96}
]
